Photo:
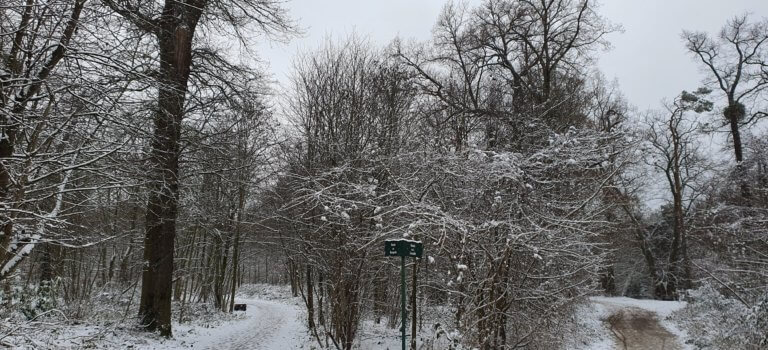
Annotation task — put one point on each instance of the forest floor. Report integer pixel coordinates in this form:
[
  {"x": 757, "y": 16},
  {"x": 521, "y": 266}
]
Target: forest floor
[
  {"x": 624, "y": 324},
  {"x": 272, "y": 321},
  {"x": 276, "y": 320}
]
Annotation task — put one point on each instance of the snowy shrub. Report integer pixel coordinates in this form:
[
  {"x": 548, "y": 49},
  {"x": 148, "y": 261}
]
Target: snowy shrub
[
  {"x": 264, "y": 291},
  {"x": 106, "y": 305},
  {"x": 714, "y": 321},
  {"x": 443, "y": 339},
  {"x": 33, "y": 301},
  {"x": 758, "y": 318}
]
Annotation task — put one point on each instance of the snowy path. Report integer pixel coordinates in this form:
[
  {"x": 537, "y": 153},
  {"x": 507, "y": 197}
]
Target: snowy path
[
  {"x": 617, "y": 324},
  {"x": 638, "y": 324},
  {"x": 640, "y": 329},
  {"x": 268, "y": 325}
]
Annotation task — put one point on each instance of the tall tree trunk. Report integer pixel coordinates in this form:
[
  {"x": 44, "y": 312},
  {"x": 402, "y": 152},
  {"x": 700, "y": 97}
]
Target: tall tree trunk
[
  {"x": 208, "y": 268},
  {"x": 266, "y": 269},
  {"x": 218, "y": 274},
  {"x": 174, "y": 32},
  {"x": 47, "y": 262},
  {"x": 379, "y": 298},
  {"x": 320, "y": 298},
  {"x": 236, "y": 248},
  {"x": 125, "y": 275},
  {"x": 677, "y": 212},
  {"x": 734, "y": 113},
  {"x": 310, "y": 299},
  {"x": 102, "y": 272},
  {"x": 292, "y": 277},
  {"x": 413, "y": 305}
]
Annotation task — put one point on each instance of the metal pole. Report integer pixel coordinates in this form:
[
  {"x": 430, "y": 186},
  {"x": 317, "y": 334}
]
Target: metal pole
[{"x": 402, "y": 297}]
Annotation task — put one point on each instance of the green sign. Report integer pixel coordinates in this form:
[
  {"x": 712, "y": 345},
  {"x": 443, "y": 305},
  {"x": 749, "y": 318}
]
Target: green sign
[{"x": 403, "y": 247}]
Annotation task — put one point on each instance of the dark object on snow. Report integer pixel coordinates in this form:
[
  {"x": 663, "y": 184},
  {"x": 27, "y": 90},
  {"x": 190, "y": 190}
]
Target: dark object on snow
[{"x": 239, "y": 307}]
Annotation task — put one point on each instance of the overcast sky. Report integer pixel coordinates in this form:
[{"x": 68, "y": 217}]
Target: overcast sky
[{"x": 648, "y": 59}]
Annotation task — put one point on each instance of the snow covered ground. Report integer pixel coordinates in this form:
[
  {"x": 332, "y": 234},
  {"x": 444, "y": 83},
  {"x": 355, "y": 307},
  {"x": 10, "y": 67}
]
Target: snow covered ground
[
  {"x": 272, "y": 322},
  {"x": 278, "y": 324},
  {"x": 608, "y": 323},
  {"x": 267, "y": 325},
  {"x": 275, "y": 321}
]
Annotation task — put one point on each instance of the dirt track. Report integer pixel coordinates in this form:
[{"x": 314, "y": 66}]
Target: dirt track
[{"x": 637, "y": 329}]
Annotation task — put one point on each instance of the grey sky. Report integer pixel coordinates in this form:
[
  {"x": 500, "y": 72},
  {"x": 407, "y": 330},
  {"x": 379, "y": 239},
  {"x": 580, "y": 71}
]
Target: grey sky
[{"x": 648, "y": 59}]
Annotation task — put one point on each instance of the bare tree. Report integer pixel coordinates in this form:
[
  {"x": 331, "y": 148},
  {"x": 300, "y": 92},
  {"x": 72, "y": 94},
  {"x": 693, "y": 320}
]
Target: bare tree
[
  {"x": 514, "y": 67},
  {"x": 608, "y": 111},
  {"x": 517, "y": 68},
  {"x": 539, "y": 42},
  {"x": 672, "y": 137},
  {"x": 58, "y": 130},
  {"x": 352, "y": 109},
  {"x": 174, "y": 26},
  {"x": 735, "y": 65},
  {"x": 15, "y": 101}
]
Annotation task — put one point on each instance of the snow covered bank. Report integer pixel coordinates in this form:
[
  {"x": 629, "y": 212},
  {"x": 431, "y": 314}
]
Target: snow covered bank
[
  {"x": 273, "y": 321},
  {"x": 589, "y": 330},
  {"x": 276, "y": 321}
]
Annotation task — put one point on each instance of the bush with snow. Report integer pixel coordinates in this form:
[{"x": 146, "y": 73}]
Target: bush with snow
[
  {"x": 264, "y": 291},
  {"x": 32, "y": 301},
  {"x": 714, "y": 321}
]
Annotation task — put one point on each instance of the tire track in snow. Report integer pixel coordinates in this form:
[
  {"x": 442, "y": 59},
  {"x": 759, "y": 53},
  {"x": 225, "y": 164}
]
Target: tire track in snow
[
  {"x": 268, "y": 325},
  {"x": 638, "y": 329}
]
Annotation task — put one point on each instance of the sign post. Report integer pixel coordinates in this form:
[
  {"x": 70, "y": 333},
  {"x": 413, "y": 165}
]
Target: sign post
[
  {"x": 402, "y": 300},
  {"x": 403, "y": 248}
]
